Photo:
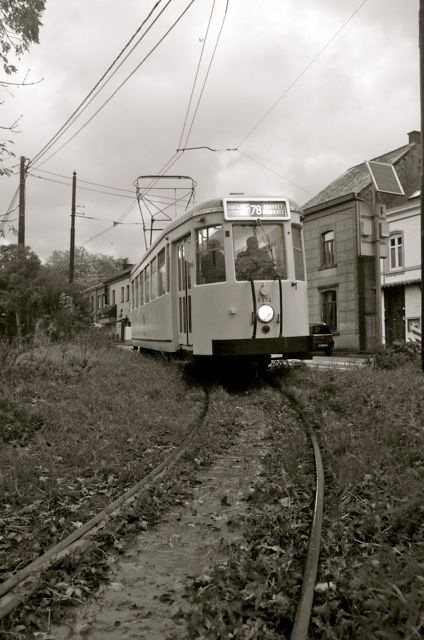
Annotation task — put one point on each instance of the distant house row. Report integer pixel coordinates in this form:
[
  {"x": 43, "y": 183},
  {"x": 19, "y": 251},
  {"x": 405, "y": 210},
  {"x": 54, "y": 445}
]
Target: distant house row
[
  {"x": 366, "y": 301},
  {"x": 110, "y": 304}
]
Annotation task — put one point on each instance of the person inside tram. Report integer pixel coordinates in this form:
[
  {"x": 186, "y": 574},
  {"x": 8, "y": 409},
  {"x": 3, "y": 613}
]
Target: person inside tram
[
  {"x": 254, "y": 262},
  {"x": 213, "y": 263}
]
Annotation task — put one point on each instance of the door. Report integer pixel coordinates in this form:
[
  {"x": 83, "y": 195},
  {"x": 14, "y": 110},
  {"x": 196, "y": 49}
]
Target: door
[
  {"x": 394, "y": 309},
  {"x": 183, "y": 252}
]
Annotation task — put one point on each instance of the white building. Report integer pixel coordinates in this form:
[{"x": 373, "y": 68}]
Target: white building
[
  {"x": 110, "y": 304},
  {"x": 401, "y": 272}
]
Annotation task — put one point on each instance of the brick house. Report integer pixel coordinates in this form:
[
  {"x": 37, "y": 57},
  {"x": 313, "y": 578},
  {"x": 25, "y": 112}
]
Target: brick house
[{"x": 340, "y": 247}]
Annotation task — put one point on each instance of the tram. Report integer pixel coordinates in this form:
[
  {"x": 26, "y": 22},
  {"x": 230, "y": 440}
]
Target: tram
[{"x": 225, "y": 281}]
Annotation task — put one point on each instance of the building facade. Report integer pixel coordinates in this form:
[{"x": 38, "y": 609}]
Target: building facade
[
  {"x": 401, "y": 273},
  {"x": 342, "y": 227},
  {"x": 110, "y": 304}
]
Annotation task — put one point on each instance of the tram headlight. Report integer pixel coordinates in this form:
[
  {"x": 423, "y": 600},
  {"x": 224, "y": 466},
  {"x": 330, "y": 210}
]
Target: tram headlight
[{"x": 265, "y": 313}]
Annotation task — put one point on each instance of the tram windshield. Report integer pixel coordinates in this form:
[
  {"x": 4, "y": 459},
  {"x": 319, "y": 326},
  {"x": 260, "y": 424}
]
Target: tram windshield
[{"x": 259, "y": 251}]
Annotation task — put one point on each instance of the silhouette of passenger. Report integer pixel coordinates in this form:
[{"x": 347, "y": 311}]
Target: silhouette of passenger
[
  {"x": 213, "y": 263},
  {"x": 255, "y": 262}
]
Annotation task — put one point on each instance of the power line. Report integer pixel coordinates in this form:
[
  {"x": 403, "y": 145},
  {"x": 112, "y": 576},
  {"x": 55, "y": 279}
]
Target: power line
[
  {"x": 107, "y": 193},
  {"x": 96, "y": 184},
  {"x": 302, "y": 73},
  {"x": 207, "y": 73},
  {"x": 280, "y": 175},
  {"x": 197, "y": 73},
  {"x": 81, "y": 108},
  {"x": 115, "y": 222},
  {"x": 170, "y": 163},
  {"x": 10, "y": 209},
  {"x": 97, "y": 235},
  {"x": 123, "y": 82}
]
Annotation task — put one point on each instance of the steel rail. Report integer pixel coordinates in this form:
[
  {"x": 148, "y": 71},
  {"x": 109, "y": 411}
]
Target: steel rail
[
  {"x": 304, "y": 608},
  {"x": 25, "y": 577}
]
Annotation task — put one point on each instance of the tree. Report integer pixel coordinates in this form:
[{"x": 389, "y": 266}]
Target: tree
[
  {"x": 19, "y": 293},
  {"x": 19, "y": 28},
  {"x": 90, "y": 268},
  {"x": 63, "y": 309}
]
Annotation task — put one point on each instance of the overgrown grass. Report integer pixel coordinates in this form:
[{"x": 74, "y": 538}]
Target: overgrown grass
[
  {"x": 371, "y": 576},
  {"x": 79, "y": 423}
]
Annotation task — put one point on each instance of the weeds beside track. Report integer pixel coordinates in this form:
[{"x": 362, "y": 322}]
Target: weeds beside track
[
  {"x": 137, "y": 411},
  {"x": 371, "y": 573}
]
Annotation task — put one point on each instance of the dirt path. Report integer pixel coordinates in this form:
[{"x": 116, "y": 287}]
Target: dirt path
[{"x": 145, "y": 596}]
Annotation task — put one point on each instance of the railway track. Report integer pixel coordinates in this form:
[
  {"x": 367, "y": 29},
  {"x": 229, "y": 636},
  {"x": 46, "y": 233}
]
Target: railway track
[
  {"x": 20, "y": 586},
  {"x": 304, "y": 607}
]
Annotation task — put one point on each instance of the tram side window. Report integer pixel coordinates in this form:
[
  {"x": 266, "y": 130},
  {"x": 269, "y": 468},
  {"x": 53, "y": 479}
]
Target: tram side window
[
  {"x": 154, "y": 278},
  {"x": 210, "y": 260},
  {"x": 136, "y": 291},
  {"x": 141, "y": 288},
  {"x": 259, "y": 252},
  {"x": 147, "y": 283},
  {"x": 168, "y": 271},
  {"x": 299, "y": 264},
  {"x": 161, "y": 273}
]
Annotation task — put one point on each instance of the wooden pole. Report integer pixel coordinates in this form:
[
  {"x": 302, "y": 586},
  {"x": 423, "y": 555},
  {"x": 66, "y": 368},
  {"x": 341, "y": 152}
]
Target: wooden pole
[
  {"x": 21, "y": 222},
  {"x": 421, "y": 44},
  {"x": 72, "y": 246}
]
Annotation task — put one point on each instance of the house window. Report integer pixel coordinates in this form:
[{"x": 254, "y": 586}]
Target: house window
[
  {"x": 396, "y": 251},
  {"x": 122, "y": 294},
  {"x": 327, "y": 249},
  {"x": 128, "y": 292},
  {"x": 329, "y": 308},
  {"x": 113, "y": 296}
]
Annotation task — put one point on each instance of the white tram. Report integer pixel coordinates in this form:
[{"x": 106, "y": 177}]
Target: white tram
[{"x": 227, "y": 279}]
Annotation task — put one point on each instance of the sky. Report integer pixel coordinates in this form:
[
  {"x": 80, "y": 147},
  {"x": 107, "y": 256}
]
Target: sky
[{"x": 289, "y": 93}]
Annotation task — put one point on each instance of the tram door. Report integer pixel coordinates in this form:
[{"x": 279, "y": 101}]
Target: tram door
[{"x": 184, "y": 291}]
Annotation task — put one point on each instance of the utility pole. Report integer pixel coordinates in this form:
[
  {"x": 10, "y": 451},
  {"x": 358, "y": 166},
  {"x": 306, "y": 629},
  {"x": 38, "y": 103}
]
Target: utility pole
[
  {"x": 21, "y": 223},
  {"x": 421, "y": 43},
  {"x": 378, "y": 310},
  {"x": 72, "y": 247}
]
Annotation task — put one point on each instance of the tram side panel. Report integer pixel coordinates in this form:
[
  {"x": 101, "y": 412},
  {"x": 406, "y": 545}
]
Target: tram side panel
[{"x": 152, "y": 326}]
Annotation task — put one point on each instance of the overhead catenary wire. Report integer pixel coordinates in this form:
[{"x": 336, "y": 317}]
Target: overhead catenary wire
[
  {"x": 207, "y": 73},
  {"x": 197, "y": 73},
  {"x": 302, "y": 73},
  {"x": 102, "y": 106},
  {"x": 170, "y": 163},
  {"x": 88, "y": 99},
  {"x": 80, "y": 180},
  {"x": 66, "y": 184},
  {"x": 280, "y": 175}
]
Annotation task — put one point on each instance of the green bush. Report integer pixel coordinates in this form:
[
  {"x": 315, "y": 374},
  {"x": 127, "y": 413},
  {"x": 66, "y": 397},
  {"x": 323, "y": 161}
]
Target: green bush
[{"x": 396, "y": 355}]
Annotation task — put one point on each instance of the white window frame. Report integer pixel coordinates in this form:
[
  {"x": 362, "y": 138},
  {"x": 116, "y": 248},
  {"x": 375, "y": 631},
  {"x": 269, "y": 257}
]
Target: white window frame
[{"x": 398, "y": 251}]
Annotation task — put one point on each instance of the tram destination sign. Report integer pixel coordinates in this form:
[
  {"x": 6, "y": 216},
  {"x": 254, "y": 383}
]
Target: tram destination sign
[{"x": 246, "y": 209}]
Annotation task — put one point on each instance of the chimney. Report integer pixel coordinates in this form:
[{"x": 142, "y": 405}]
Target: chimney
[{"x": 414, "y": 137}]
